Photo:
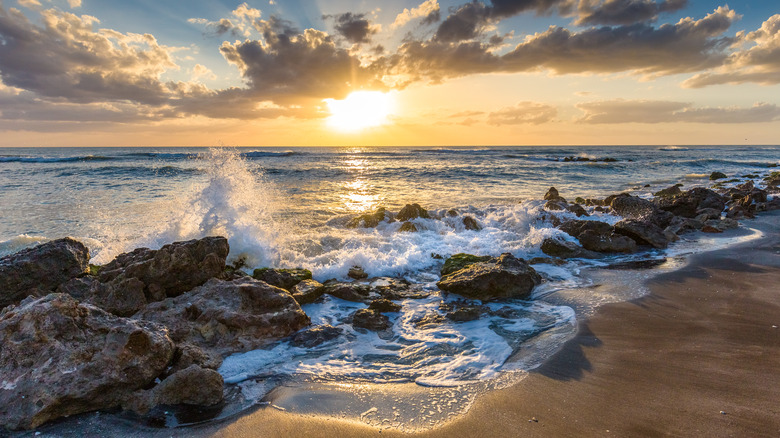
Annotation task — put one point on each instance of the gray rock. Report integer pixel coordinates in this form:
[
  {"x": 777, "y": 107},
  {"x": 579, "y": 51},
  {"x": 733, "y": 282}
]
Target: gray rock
[
  {"x": 283, "y": 278},
  {"x": 191, "y": 386},
  {"x": 371, "y": 320},
  {"x": 122, "y": 297},
  {"x": 38, "y": 271},
  {"x": 564, "y": 249},
  {"x": 357, "y": 273},
  {"x": 553, "y": 195},
  {"x": 315, "y": 336},
  {"x": 307, "y": 291},
  {"x": 407, "y": 227},
  {"x": 717, "y": 175},
  {"x": 504, "y": 277},
  {"x": 598, "y": 236},
  {"x": 644, "y": 233},
  {"x": 60, "y": 358},
  {"x": 688, "y": 203}
]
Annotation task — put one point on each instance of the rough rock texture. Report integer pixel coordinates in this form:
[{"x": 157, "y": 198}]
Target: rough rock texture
[
  {"x": 315, "y": 336},
  {"x": 408, "y": 227},
  {"x": 357, "y": 273},
  {"x": 465, "y": 314},
  {"x": 631, "y": 207},
  {"x": 717, "y": 175},
  {"x": 578, "y": 210},
  {"x": 470, "y": 223},
  {"x": 191, "y": 386},
  {"x": 504, "y": 277},
  {"x": 553, "y": 195},
  {"x": 688, "y": 203},
  {"x": 229, "y": 316},
  {"x": 460, "y": 261},
  {"x": 368, "y": 220},
  {"x": 598, "y": 236},
  {"x": 284, "y": 278},
  {"x": 171, "y": 270},
  {"x": 38, "y": 271},
  {"x": 669, "y": 191},
  {"x": 411, "y": 211},
  {"x": 347, "y": 291},
  {"x": 122, "y": 297},
  {"x": 384, "y": 305},
  {"x": 307, "y": 291},
  {"x": 564, "y": 249},
  {"x": 59, "y": 357},
  {"x": 370, "y": 319},
  {"x": 643, "y": 233}
]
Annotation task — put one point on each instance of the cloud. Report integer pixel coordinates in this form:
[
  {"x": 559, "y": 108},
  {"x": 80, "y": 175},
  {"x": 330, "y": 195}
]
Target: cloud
[
  {"x": 758, "y": 61},
  {"x": 202, "y": 72},
  {"x": 523, "y": 113},
  {"x": 428, "y": 10},
  {"x": 354, "y": 27},
  {"x": 624, "y": 12},
  {"x": 660, "y": 111},
  {"x": 241, "y": 24}
]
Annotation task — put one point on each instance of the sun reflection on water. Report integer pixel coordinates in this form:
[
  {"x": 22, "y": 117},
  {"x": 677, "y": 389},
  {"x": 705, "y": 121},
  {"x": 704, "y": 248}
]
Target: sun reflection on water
[{"x": 358, "y": 195}]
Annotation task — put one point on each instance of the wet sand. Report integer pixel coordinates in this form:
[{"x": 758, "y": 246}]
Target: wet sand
[{"x": 698, "y": 356}]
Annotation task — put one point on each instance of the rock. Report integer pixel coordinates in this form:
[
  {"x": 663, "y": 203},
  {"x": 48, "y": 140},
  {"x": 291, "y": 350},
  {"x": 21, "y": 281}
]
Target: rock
[
  {"x": 411, "y": 211},
  {"x": 644, "y": 233},
  {"x": 229, "y": 316},
  {"x": 371, "y": 320},
  {"x": 307, "y": 291},
  {"x": 504, "y": 277},
  {"x": 369, "y": 220},
  {"x": 397, "y": 289},
  {"x": 688, "y": 203},
  {"x": 555, "y": 205},
  {"x": 122, "y": 297},
  {"x": 669, "y": 191},
  {"x": 552, "y": 195},
  {"x": 357, "y": 273},
  {"x": 565, "y": 249},
  {"x": 191, "y": 386},
  {"x": 717, "y": 175},
  {"x": 384, "y": 305},
  {"x": 706, "y": 214},
  {"x": 407, "y": 227},
  {"x": 578, "y": 210},
  {"x": 465, "y": 314},
  {"x": 187, "y": 355},
  {"x": 720, "y": 225},
  {"x": 283, "y": 278},
  {"x": 710, "y": 229},
  {"x": 59, "y": 357},
  {"x": 39, "y": 270},
  {"x": 171, "y": 270},
  {"x": 738, "y": 212},
  {"x": 631, "y": 207},
  {"x": 315, "y": 336},
  {"x": 348, "y": 291},
  {"x": 470, "y": 223},
  {"x": 460, "y": 261},
  {"x": 612, "y": 242},
  {"x": 576, "y": 227}
]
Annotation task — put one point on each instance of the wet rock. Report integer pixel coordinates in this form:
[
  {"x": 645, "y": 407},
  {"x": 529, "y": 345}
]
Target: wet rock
[
  {"x": 357, "y": 273},
  {"x": 371, "y": 320},
  {"x": 460, "y": 261},
  {"x": 171, "y": 270},
  {"x": 315, "y": 336},
  {"x": 565, "y": 249},
  {"x": 555, "y": 205},
  {"x": 397, "y": 289},
  {"x": 369, "y": 220},
  {"x": 681, "y": 225},
  {"x": 720, "y": 224},
  {"x": 407, "y": 227},
  {"x": 717, "y": 175},
  {"x": 191, "y": 386},
  {"x": 631, "y": 207},
  {"x": 710, "y": 229},
  {"x": 347, "y": 291},
  {"x": 431, "y": 318},
  {"x": 669, "y": 191},
  {"x": 465, "y": 314},
  {"x": 39, "y": 270},
  {"x": 122, "y": 297},
  {"x": 411, "y": 211},
  {"x": 578, "y": 210},
  {"x": 229, "y": 316},
  {"x": 739, "y": 212},
  {"x": 384, "y": 305},
  {"x": 60, "y": 357},
  {"x": 187, "y": 355},
  {"x": 470, "y": 223},
  {"x": 576, "y": 227},
  {"x": 611, "y": 242},
  {"x": 644, "y": 233},
  {"x": 706, "y": 214},
  {"x": 307, "y": 291},
  {"x": 553, "y": 195},
  {"x": 504, "y": 277},
  {"x": 688, "y": 203},
  {"x": 283, "y": 278}
]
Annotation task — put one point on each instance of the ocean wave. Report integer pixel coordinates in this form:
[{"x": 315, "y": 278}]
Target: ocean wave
[
  {"x": 28, "y": 159},
  {"x": 270, "y": 154}
]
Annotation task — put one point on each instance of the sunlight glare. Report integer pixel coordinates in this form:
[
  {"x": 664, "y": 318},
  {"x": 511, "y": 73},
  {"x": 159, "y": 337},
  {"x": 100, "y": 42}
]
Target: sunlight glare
[{"x": 361, "y": 109}]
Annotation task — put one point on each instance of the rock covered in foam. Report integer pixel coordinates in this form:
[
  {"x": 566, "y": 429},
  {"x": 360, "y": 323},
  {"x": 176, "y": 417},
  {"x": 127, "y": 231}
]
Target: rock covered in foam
[
  {"x": 229, "y": 316},
  {"x": 502, "y": 277},
  {"x": 39, "y": 270},
  {"x": 60, "y": 357}
]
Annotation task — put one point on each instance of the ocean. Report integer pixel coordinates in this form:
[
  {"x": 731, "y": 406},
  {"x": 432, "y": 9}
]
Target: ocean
[{"x": 288, "y": 207}]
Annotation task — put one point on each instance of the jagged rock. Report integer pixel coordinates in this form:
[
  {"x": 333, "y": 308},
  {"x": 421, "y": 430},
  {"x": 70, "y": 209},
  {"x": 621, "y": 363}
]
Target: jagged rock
[
  {"x": 552, "y": 195},
  {"x": 315, "y": 336},
  {"x": 191, "y": 386},
  {"x": 706, "y": 214},
  {"x": 122, "y": 297},
  {"x": 347, "y": 291},
  {"x": 504, "y": 277},
  {"x": 411, "y": 211},
  {"x": 59, "y": 357},
  {"x": 669, "y": 191},
  {"x": 398, "y": 289},
  {"x": 370, "y": 319},
  {"x": 307, "y": 291},
  {"x": 384, "y": 305},
  {"x": 460, "y": 261},
  {"x": 565, "y": 249},
  {"x": 644, "y": 233},
  {"x": 229, "y": 316},
  {"x": 465, "y": 314},
  {"x": 39, "y": 270},
  {"x": 187, "y": 355},
  {"x": 368, "y": 220},
  {"x": 470, "y": 223},
  {"x": 407, "y": 227},
  {"x": 555, "y": 205},
  {"x": 688, "y": 203},
  {"x": 717, "y": 175},
  {"x": 283, "y": 278},
  {"x": 171, "y": 270},
  {"x": 631, "y": 207},
  {"x": 357, "y": 273},
  {"x": 738, "y": 212},
  {"x": 722, "y": 224},
  {"x": 578, "y": 210},
  {"x": 611, "y": 242}
]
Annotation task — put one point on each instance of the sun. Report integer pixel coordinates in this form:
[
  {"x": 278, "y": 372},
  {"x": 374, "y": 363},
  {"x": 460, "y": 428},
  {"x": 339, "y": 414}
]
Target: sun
[{"x": 360, "y": 110}]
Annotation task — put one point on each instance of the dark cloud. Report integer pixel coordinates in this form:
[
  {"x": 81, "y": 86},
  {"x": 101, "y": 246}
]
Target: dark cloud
[
  {"x": 355, "y": 28},
  {"x": 523, "y": 113},
  {"x": 612, "y": 12},
  {"x": 658, "y": 111}
]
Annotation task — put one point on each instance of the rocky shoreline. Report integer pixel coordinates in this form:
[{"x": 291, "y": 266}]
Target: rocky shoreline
[{"x": 152, "y": 326}]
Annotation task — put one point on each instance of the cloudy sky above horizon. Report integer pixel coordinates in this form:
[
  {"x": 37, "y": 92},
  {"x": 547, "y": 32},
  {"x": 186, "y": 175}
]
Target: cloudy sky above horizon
[{"x": 500, "y": 72}]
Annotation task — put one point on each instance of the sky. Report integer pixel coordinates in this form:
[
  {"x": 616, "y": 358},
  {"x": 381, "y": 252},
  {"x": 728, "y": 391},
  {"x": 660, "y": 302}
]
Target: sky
[{"x": 371, "y": 73}]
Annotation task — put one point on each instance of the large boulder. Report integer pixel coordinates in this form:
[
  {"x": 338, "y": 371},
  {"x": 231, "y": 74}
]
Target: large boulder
[
  {"x": 598, "y": 236},
  {"x": 370, "y": 319},
  {"x": 644, "y": 233},
  {"x": 38, "y": 271},
  {"x": 193, "y": 385},
  {"x": 171, "y": 270},
  {"x": 565, "y": 249},
  {"x": 307, "y": 291},
  {"x": 502, "y": 277},
  {"x": 369, "y": 220},
  {"x": 59, "y": 357},
  {"x": 689, "y": 203},
  {"x": 229, "y": 316},
  {"x": 283, "y": 278},
  {"x": 122, "y": 297},
  {"x": 460, "y": 261}
]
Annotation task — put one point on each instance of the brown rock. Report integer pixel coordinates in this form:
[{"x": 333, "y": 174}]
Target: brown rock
[
  {"x": 504, "y": 277},
  {"x": 411, "y": 211},
  {"x": 371, "y": 320},
  {"x": 407, "y": 227},
  {"x": 283, "y": 278},
  {"x": 307, "y": 291}
]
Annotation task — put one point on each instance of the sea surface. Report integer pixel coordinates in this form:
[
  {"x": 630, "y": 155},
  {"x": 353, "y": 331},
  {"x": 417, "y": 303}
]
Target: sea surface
[{"x": 288, "y": 207}]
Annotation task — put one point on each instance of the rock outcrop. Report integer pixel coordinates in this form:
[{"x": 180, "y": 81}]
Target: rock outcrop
[
  {"x": 369, "y": 220},
  {"x": 371, "y": 320},
  {"x": 598, "y": 236},
  {"x": 283, "y": 278},
  {"x": 644, "y": 233},
  {"x": 502, "y": 277},
  {"x": 412, "y": 211}
]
